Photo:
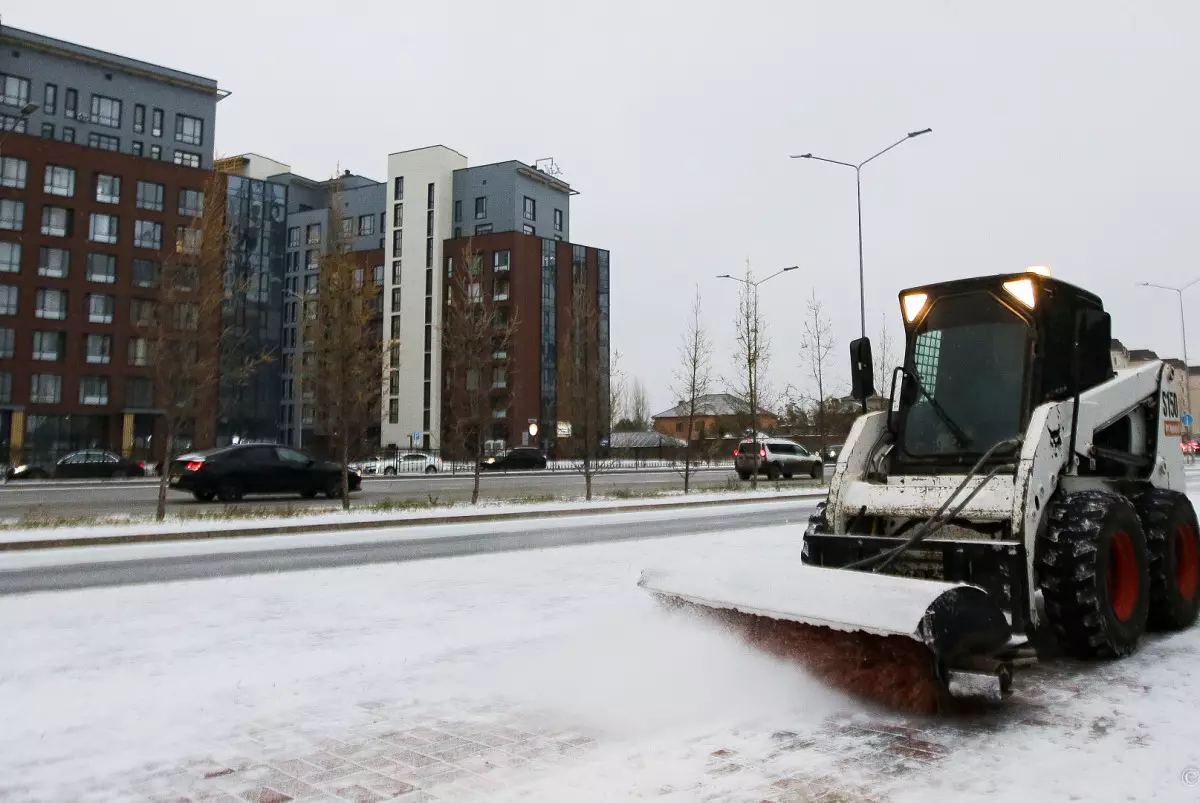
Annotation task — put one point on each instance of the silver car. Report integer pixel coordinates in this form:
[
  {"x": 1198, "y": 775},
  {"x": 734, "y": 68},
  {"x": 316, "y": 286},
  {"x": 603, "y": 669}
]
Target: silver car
[{"x": 776, "y": 457}]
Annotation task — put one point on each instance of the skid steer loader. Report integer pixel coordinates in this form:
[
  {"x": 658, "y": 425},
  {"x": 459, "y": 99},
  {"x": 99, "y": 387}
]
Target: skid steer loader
[{"x": 1012, "y": 460}]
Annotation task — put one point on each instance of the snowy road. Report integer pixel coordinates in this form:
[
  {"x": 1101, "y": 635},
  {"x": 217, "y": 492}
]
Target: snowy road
[
  {"x": 529, "y": 675},
  {"x": 59, "y": 569}
]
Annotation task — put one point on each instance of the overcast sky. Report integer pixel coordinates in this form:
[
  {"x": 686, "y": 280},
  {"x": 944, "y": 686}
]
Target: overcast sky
[{"x": 1064, "y": 133}]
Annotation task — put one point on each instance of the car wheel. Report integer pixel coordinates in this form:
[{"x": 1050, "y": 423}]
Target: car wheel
[
  {"x": 308, "y": 494},
  {"x": 230, "y": 491},
  {"x": 389, "y": 470},
  {"x": 787, "y": 475},
  {"x": 333, "y": 489},
  {"x": 773, "y": 472},
  {"x": 431, "y": 469},
  {"x": 203, "y": 496},
  {"x": 745, "y": 475},
  {"x": 817, "y": 470}
]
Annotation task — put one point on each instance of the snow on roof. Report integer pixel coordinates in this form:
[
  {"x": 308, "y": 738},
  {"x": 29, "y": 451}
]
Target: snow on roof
[
  {"x": 643, "y": 440},
  {"x": 714, "y": 404}
]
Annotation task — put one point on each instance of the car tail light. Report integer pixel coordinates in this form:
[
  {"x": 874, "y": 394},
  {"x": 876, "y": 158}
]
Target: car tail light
[
  {"x": 195, "y": 465},
  {"x": 763, "y": 454},
  {"x": 141, "y": 464}
]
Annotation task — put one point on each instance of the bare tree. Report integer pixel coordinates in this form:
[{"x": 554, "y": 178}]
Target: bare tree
[
  {"x": 581, "y": 386},
  {"x": 617, "y": 391},
  {"x": 477, "y": 329},
  {"x": 639, "y": 405},
  {"x": 752, "y": 353},
  {"x": 883, "y": 357},
  {"x": 693, "y": 379},
  {"x": 184, "y": 339},
  {"x": 343, "y": 350},
  {"x": 817, "y": 347}
]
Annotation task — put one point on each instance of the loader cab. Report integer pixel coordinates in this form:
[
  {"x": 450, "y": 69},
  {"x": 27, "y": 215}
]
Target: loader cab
[{"x": 980, "y": 355}]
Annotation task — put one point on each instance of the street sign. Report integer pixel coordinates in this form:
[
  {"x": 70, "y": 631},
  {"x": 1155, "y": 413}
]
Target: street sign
[
  {"x": 416, "y": 437},
  {"x": 1187, "y": 419}
]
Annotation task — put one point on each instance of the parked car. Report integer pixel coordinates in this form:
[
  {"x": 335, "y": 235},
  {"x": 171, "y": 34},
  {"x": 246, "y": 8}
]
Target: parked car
[
  {"x": 522, "y": 457},
  {"x": 84, "y": 464},
  {"x": 832, "y": 452},
  {"x": 775, "y": 457},
  {"x": 410, "y": 463},
  {"x": 231, "y": 472}
]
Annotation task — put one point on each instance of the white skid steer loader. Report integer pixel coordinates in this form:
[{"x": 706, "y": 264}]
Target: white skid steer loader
[{"x": 1012, "y": 460}]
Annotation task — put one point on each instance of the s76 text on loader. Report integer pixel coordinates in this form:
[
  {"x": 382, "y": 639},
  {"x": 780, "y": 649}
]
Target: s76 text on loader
[{"x": 1012, "y": 460}]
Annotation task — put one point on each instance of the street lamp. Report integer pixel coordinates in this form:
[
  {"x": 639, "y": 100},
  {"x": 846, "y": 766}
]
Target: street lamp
[
  {"x": 862, "y": 298},
  {"x": 1187, "y": 367}
]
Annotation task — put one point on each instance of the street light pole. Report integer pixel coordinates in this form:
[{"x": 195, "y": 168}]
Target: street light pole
[
  {"x": 1187, "y": 366},
  {"x": 862, "y": 298}
]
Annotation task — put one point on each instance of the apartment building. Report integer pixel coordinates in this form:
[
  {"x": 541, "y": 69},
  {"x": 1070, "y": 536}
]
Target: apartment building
[{"x": 102, "y": 161}]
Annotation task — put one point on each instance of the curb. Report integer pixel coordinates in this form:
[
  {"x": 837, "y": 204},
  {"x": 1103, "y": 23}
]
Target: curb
[{"x": 377, "y": 524}]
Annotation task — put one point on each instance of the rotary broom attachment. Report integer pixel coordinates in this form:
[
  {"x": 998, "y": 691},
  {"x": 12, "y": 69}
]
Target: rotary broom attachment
[{"x": 916, "y": 646}]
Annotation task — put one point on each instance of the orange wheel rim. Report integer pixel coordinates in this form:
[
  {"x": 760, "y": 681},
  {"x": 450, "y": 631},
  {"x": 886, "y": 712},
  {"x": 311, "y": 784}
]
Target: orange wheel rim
[
  {"x": 1122, "y": 576},
  {"x": 1187, "y": 561}
]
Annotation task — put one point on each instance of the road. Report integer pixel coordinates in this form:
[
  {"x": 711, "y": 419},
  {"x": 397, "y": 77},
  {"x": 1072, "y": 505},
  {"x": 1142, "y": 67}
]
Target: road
[
  {"x": 151, "y": 563},
  {"x": 137, "y": 497}
]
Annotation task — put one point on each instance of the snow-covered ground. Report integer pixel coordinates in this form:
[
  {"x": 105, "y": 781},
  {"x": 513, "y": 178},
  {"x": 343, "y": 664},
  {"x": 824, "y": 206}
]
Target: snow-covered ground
[{"x": 539, "y": 675}]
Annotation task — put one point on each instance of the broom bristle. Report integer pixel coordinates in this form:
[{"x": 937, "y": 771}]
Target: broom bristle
[{"x": 891, "y": 671}]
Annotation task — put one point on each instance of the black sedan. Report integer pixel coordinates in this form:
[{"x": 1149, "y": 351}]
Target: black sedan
[
  {"x": 84, "y": 464},
  {"x": 522, "y": 457},
  {"x": 231, "y": 472}
]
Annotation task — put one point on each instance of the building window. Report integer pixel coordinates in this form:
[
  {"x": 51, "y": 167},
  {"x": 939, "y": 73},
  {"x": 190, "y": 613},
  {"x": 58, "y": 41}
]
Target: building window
[
  {"x": 429, "y": 223},
  {"x": 147, "y": 234},
  {"x": 558, "y": 220},
  {"x": 11, "y": 123},
  {"x": 398, "y": 189},
  {"x": 12, "y": 214},
  {"x": 8, "y": 299},
  {"x": 366, "y": 225},
  {"x": 50, "y": 99},
  {"x": 70, "y": 104},
  {"x": 108, "y": 189},
  {"x": 47, "y": 130},
  {"x": 294, "y": 237},
  {"x": 139, "y": 118},
  {"x": 187, "y": 317},
  {"x": 397, "y": 241},
  {"x": 54, "y": 262},
  {"x": 139, "y": 351},
  {"x": 139, "y": 393},
  {"x": 68, "y": 134},
  {"x": 102, "y": 228},
  {"x": 530, "y": 208},
  {"x": 51, "y": 304},
  {"x": 429, "y": 196},
  {"x": 347, "y": 228},
  {"x": 102, "y": 268},
  {"x": 137, "y": 149},
  {"x": 145, "y": 273},
  {"x": 481, "y": 208},
  {"x": 396, "y": 272},
  {"x": 14, "y": 90},
  {"x": 188, "y": 241},
  {"x": 191, "y": 203},
  {"x": 45, "y": 388},
  {"x": 458, "y": 211},
  {"x": 14, "y": 172},
  {"x": 10, "y": 257},
  {"x": 398, "y": 215},
  {"x": 141, "y": 311},
  {"x": 312, "y": 234},
  {"x": 56, "y": 221},
  {"x": 527, "y": 229},
  {"x": 483, "y": 228},
  {"x": 104, "y": 142},
  {"x": 48, "y": 346},
  {"x": 150, "y": 196},
  {"x": 6, "y": 383},
  {"x": 8, "y": 342},
  {"x": 189, "y": 130},
  {"x": 93, "y": 390},
  {"x": 310, "y": 284},
  {"x": 98, "y": 349},
  {"x": 500, "y": 260},
  {"x": 378, "y": 275},
  {"x": 59, "y": 181},
  {"x": 428, "y": 252},
  {"x": 156, "y": 152},
  {"x": 156, "y": 123},
  {"x": 106, "y": 111},
  {"x": 187, "y": 158},
  {"x": 312, "y": 259},
  {"x": 500, "y": 289},
  {"x": 393, "y": 411},
  {"x": 100, "y": 308}
]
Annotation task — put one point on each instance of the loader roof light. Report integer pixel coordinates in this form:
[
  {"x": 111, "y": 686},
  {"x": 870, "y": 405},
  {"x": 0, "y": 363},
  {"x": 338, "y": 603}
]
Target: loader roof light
[
  {"x": 1040, "y": 270},
  {"x": 913, "y": 304},
  {"x": 1022, "y": 290}
]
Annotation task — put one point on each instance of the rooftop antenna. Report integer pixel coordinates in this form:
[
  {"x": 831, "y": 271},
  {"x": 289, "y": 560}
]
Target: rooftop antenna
[{"x": 548, "y": 166}]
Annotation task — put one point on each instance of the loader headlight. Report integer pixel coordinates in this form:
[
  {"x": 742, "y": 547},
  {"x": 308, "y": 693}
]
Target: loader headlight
[
  {"x": 1022, "y": 290},
  {"x": 913, "y": 304},
  {"x": 1040, "y": 270}
]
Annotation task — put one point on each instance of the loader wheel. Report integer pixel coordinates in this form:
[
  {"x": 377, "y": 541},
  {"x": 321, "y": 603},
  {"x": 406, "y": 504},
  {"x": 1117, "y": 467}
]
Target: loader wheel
[
  {"x": 1095, "y": 574},
  {"x": 818, "y": 522},
  {"x": 1173, "y": 543}
]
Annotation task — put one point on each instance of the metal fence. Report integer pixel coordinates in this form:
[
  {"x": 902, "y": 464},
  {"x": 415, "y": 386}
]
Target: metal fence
[{"x": 432, "y": 462}]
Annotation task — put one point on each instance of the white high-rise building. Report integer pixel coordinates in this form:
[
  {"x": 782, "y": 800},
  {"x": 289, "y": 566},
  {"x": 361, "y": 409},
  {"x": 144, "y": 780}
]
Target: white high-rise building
[{"x": 419, "y": 220}]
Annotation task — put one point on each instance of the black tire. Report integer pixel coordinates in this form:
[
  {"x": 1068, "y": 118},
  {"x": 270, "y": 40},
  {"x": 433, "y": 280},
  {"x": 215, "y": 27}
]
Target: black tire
[
  {"x": 203, "y": 496},
  {"x": 818, "y": 522},
  {"x": 1094, "y": 571},
  {"x": 772, "y": 471},
  {"x": 230, "y": 491},
  {"x": 787, "y": 475},
  {"x": 745, "y": 475},
  {"x": 817, "y": 470},
  {"x": 1173, "y": 543},
  {"x": 431, "y": 469},
  {"x": 308, "y": 494},
  {"x": 333, "y": 489},
  {"x": 389, "y": 470}
]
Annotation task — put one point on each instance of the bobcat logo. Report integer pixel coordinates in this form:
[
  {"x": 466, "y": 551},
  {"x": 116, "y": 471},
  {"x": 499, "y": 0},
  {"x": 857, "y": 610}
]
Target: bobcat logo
[{"x": 1056, "y": 437}]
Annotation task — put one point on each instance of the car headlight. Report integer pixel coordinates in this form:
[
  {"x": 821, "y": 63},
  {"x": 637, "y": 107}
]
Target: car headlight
[{"x": 490, "y": 460}]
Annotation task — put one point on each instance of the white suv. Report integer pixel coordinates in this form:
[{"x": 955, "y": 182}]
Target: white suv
[{"x": 776, "y": 457}]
